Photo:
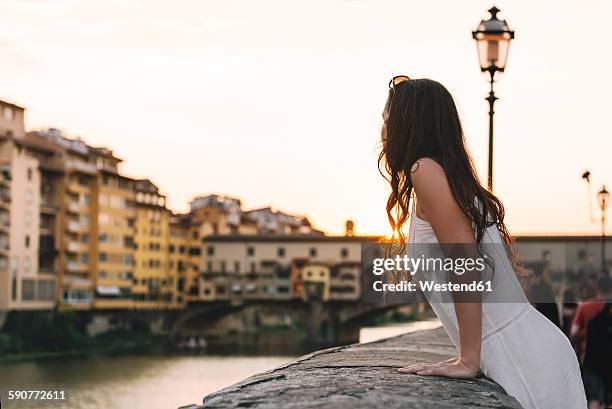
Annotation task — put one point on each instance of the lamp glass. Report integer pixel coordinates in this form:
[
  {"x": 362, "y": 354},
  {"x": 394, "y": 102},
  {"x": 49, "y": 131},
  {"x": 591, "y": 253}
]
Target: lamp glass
[{"x": 492, "y": 50}]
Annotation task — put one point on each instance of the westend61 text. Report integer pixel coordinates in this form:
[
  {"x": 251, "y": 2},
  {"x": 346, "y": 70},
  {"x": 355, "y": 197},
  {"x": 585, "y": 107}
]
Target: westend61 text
[
  {"x": 414, "y": 264},
  {"x": 429, "y": 286}
]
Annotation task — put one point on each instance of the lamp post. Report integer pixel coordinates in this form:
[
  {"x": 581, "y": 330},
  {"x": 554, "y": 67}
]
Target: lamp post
[
  {"x": 492, "y": 41},
  {"x": 604, "y": 199}
]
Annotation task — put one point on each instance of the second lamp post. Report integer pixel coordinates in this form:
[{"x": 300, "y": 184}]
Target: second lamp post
[{"x": 493, "y": 41}]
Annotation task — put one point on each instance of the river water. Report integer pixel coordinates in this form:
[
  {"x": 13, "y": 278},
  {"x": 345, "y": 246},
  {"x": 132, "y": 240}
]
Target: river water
[{"x": 148, "y": 381}]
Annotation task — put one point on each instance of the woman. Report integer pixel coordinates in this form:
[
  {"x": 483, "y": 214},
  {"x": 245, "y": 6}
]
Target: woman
[{"x": 424, "y": 157}]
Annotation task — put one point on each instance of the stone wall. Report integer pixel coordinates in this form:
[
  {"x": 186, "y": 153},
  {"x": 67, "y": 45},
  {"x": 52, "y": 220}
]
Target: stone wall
[{"x": 364, "y": 376}]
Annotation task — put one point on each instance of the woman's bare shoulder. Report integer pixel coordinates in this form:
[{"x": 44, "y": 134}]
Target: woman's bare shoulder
[{"x": 426, "y": 172}]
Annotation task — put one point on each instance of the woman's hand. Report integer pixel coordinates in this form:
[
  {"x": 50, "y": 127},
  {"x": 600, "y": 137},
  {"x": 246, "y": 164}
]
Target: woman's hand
[{"x": 452, "y": 368}]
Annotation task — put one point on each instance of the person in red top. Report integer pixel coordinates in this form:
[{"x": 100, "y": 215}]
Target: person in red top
[{"x": 594, "y": 386}]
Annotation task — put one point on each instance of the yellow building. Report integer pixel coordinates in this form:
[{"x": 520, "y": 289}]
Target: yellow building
[
  {"x": 76, "y": 245},
  {"x": 155, "y": 282},
  {"x": 178, "y": 254},
  {"x": 186, "y": 254},
  {"x": 67, "y": 179},
  {"x": 113, "y": 244}
]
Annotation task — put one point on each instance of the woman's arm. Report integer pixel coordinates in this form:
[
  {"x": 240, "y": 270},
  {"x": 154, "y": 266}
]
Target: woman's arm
[{"x": 450, "y": 226}]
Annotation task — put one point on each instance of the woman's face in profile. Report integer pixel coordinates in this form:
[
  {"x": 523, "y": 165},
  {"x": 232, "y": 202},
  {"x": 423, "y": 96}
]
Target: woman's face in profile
[{"x": 385, "y": 118}]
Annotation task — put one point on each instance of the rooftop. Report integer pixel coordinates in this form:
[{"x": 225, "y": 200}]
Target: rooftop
[
  {"x": 6, "y": 103},
  {"x": 288, "y": 238}
]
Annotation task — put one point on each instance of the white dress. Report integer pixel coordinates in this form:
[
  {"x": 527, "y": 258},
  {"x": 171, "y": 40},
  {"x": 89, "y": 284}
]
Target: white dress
[{"x": 521, "y": 350}]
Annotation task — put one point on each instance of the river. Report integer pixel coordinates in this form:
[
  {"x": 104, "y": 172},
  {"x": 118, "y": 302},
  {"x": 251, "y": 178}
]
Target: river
[{"x": 148, "y": 381}]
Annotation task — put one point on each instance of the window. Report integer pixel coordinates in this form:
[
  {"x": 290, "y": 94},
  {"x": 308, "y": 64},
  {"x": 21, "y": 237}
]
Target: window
[
  {"x": 84, "y": 258},
  {"x": 281, "y": 252},
  {"x": 28, "y": 196},
  {"x": 194, "y": 251},
  {"x": 27, "y": 290},
  {"x": 8, "y": 113},
  {"x": 117, "y": 202},
  {"x": 123, "y": 184},
  {"x": 46, "y": 290},
  {"x": 210, "y": 250},
  {"x": 237, "y": 267},
  {"x": 15, "y": 265},
  {"x": 313, "y": 252},
  {"x": 102, "y": 257},
  {"x": 171, "y": 248},
  {"x": 103, "y": 200},
  {"x": 103, "y": 218},
  {"x": 83, "y": 181},
  {"x": 29, "y": 173},
  {"x": 128, "y": 242},
  {"x": 344, "y": 252},
  {"x": 27, "y": 241},
  {"x": 102, "y": 275},
  {"x": 85, "y": 238},
  {"x": 250, "y": 251},
  {"x": 14, "y": 289},
  {"x": 195, "y": 234},
  {"x": 223, "y": 266}
]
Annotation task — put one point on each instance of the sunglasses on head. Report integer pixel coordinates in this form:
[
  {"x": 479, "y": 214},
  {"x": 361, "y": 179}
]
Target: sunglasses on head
[{"x": 398, "y": 79}]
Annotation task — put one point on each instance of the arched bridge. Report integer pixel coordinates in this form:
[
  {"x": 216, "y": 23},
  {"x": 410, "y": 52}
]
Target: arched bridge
[{"x": 332, "y": 322}]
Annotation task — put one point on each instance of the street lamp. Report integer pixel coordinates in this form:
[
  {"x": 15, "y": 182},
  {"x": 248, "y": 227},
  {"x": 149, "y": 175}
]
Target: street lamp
[
  {"x": 604, "y": 199},
  {"x": 492, "y": 41}
]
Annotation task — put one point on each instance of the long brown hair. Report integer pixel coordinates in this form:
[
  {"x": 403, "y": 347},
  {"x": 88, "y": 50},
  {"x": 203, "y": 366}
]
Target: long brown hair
[{"x": 423, "y": 123}]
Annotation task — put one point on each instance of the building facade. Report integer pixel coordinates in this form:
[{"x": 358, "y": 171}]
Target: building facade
[
  {"x": 281, "y": 267},
  {"x": 23, "y": 285},
  {"x": 155, "y": 283}
]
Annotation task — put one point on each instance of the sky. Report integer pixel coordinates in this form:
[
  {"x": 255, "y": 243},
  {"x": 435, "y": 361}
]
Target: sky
[{"x": 279, "y": 102}]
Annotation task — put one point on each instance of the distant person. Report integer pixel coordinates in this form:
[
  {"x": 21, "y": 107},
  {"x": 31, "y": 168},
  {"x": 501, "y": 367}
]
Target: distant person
[
  {"x": 433, "y": 184},
  {"x": 587, "y": 290},
  {"x": 568, "y": 311},
  {"x": 543, "y": 298},
  {"x": 592, "y": 327}
]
